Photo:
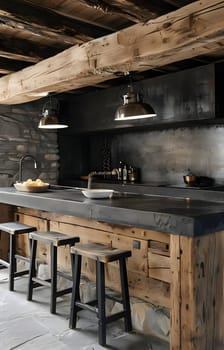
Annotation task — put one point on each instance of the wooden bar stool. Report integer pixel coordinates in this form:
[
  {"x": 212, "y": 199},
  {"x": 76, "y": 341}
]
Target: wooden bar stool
[
  {"x": 14, "y": 229},
  {"x": 55, "y": 239},
  {"x": 102, "y": 255}
]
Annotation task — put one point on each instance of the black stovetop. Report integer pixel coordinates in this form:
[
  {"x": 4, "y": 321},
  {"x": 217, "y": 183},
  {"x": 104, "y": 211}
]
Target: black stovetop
[{"x": 214, "y": 187}]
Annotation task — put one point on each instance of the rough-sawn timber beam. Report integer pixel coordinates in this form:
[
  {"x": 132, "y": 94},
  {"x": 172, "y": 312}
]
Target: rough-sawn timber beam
[
  {"x": 193, "y": 30},
  {"x": 133, "y": 10}
]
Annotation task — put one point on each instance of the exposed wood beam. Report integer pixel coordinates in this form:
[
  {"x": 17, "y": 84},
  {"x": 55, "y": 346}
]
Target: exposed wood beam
[
  {"x": 35, "y": 33},
  {"x": 178, "y": 3},
  {"x": 8, "y": 66},
  {"x": 188, "y": 32},
  {"x": 50, "y": 22},
  {"x": 135, "y": 10},
  {"x": 24, "y": 50},
  {"x": 69, "y": 9}
]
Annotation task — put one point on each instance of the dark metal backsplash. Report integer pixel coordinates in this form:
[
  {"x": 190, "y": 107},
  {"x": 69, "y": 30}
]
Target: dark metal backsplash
[
  {"x": 94, "y": 141},
  {"x": 165, "y": 156}
]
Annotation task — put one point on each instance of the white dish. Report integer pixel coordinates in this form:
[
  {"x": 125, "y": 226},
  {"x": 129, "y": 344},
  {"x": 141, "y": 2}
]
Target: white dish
[
  {"x": 29, "y": 188},
  {"x": 97, "y": 193}
]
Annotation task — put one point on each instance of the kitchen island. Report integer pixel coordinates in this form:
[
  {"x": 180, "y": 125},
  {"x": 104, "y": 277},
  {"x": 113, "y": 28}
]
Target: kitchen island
[{"x": 177, "y": 251}]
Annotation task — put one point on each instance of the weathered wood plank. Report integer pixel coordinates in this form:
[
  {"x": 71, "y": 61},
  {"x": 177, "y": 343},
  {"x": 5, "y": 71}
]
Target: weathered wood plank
[
  {"x": 193, "y": 30},
  {"x": 39, "y": 35},
  {"x": 178, "y": 3},
  {"x": 8, "y": 66},
  {"x": 46, "y": 22},
  {"x": 22, "y": 242},
  {"x": 198, "y": 292},
  {"x": 6, "y": 214},
  {"x": 157, "y": 247},
  {"x": 82, "y": 12},
  {"x": 218, "y": 301},
  {"x": 14, "y": 49},
  {"x": 175, "y": 296},
  {"x": 195, "y": 294},
  {"x": 147, "y": 289},
  {"x": 137, "y": 262},
  {"x": 141, "y": 285},
  {"x": 133, "y": 232},
  {"x": 159, "y": 267},
  {"x": 135, "y": 11}
]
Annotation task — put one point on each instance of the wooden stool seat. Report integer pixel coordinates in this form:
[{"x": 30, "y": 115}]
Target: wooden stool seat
[
  {"x": 55, "y": 239},
  {"x": 14, "y": 229},
  {"x": 102, "y": 255},
  {"x": 100, "y": 252}
]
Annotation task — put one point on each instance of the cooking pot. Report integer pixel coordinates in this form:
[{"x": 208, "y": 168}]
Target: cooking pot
[
  {"x": 201, "y": 181},
  {"x": 191, "y": 179}
]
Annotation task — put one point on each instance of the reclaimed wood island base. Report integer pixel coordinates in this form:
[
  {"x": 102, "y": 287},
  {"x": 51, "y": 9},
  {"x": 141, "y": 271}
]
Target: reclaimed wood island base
[{"x": 182, "y": 273}]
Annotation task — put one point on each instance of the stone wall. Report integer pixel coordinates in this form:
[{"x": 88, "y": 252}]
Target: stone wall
[{"x": 19, "y": 135}]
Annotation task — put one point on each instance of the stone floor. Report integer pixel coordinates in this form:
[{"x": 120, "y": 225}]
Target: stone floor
[{"x": 28, "y": 325}]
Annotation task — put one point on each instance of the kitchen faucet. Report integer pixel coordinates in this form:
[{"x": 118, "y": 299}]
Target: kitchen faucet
[
  {"x": 95, "y": 173},
  {"x": 27, "y": 156}
]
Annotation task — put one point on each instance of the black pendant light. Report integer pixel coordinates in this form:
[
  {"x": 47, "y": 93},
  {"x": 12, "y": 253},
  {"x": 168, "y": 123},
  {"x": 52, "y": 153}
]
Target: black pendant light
[
  {"x": 50, "y": 114},
  {"x": 133, "y": 108}
]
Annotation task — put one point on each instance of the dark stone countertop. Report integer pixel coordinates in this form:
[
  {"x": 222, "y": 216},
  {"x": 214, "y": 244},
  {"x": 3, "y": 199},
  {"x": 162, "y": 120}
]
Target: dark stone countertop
[
  {"x": 215, "y": 193},
  {"x": 183, "y": 216}
]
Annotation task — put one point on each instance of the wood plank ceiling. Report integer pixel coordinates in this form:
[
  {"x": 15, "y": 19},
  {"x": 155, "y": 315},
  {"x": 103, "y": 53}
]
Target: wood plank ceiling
[{"x": 32, "y": 31}]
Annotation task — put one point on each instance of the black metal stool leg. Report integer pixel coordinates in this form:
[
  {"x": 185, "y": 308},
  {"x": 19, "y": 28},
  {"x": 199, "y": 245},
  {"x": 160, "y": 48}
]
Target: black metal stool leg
[
  {"x": 32, "y": 269},
  {"x": 100, "y": 286},
  {"x": 12, "y": 262},
  {"x": 54, "y": 259},
  {"x": 30, "y": 246},
  {"x": 76, "y": 263},
  {"x": 125, "y": 294}
]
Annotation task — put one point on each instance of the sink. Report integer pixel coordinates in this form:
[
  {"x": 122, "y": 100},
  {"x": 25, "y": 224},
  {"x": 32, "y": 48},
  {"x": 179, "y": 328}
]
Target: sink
[{"x": 97, "y": 193}]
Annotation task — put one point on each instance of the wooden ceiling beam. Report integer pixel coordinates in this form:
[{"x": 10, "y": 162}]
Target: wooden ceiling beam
[
  {"x": 44, "y": 20},
  {"x": 178, "y": 3},
  {"x": 24, "y": 50},
  {"x": 34, "y": 33},
  {"x": 69, "y": 9},
  {"x": 134, "y": 10},
  {"x": 188, "y": 32},
  {"x": 8, "y": 66}
]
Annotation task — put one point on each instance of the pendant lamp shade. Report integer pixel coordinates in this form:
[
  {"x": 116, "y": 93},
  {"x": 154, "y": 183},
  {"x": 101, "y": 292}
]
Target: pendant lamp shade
[
  {"x": 133, "y": 108},
  {"x": 50, "y": 113}
]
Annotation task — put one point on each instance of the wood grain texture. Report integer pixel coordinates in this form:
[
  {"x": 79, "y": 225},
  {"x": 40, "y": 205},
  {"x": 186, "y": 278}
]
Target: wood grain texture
[
  {"x": 195, "y": 294},
  {"x": 141, "y": 286},
  {"x": 159, "y": 267},
  {"x": 193, "y": 30},
  {"x": 138, "y": 261},
  {"x": 80, "y": 10},
  {"x": 218, "y": 301},
  {"x": 133, "y": 10},
  {"x": 33, "y": 20},
  {"x": 175, "y": 294},
  {"x": 198, "y": 292},
  {"x": 133, "y": 232},
  {"x": 6, "y": 215},
  {"x": 100, "y": 252}
]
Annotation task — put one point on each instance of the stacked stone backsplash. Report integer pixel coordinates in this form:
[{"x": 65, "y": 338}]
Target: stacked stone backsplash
[{"x": 19, "y": 135}]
